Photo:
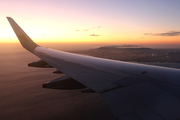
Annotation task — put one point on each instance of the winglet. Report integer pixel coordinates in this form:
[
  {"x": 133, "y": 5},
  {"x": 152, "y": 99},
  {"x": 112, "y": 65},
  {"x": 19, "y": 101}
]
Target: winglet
[{"x": 24, "y": 39}]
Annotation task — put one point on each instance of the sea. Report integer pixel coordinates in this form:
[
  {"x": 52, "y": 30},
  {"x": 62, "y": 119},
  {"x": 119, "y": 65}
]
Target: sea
[{"x": 23, "y": 98}]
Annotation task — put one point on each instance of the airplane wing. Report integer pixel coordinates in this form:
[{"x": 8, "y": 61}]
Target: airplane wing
[{"x": 132, "y": 91}]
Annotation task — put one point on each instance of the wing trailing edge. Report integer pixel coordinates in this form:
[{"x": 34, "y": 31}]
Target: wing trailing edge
[{"x": 24, "y": 39}]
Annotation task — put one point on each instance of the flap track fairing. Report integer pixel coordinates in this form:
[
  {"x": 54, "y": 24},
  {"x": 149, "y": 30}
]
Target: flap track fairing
[
  {"x": 64, "y": 83},
  {"x": 40, "y": 63}
]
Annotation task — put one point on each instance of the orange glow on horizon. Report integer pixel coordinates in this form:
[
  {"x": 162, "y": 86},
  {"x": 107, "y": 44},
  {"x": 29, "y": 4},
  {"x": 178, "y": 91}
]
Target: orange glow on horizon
[
  {"x": 90, "y": 22},
  {"x": 165, "y": 41}
]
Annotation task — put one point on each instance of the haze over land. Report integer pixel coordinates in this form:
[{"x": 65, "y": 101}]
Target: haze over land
[{"x": 130, "y": 53}]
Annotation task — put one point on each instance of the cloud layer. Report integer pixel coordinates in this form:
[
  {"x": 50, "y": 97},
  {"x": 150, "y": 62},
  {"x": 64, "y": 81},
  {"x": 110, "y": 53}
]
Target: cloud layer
[
  {"x": 94, "y": 35},
  {"x": 171, "y": 33}
]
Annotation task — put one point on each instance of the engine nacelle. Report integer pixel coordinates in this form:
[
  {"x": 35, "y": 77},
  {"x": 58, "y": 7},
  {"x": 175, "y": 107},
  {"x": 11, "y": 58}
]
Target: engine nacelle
[{"x": 40, "y": 63}]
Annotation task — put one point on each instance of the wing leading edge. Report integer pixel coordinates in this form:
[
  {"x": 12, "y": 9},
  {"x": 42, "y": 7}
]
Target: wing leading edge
[{"x": 153, "y": 95}]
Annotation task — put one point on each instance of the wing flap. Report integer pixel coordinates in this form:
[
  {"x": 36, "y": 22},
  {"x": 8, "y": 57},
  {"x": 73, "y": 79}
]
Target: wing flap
[
  {"x": 145, "y": 100},
  {"x": 159, "y": 101}
]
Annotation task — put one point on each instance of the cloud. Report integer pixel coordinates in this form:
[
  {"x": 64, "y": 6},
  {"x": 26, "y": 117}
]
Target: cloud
[
  {"x": 148, "y": 34},
  {"x": 123, "y": 46},
  {"x": 171, "y": 33},
  {"x": 94, "y": 35},
  {"x": 86, "y": 30},
  {"x": 26, "y": 18},
  {"x": 96, "y": 27}
]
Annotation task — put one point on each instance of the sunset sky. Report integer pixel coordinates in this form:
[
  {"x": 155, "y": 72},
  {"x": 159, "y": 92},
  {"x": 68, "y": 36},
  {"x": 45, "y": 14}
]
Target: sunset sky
[{"x": 93, "y": 21}]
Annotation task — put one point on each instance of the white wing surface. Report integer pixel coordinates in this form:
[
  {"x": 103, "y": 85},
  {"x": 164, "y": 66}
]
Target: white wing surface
[{"x": 132, "y": 91}]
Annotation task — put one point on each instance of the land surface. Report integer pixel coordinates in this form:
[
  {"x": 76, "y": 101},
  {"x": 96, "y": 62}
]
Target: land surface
[{"x": 159, "y": 57}]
